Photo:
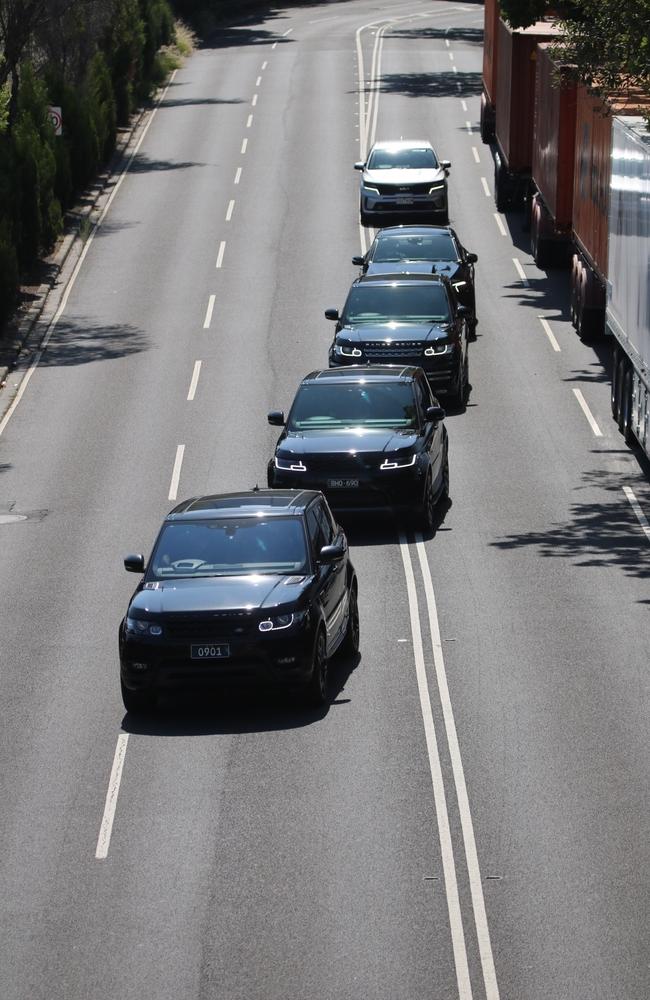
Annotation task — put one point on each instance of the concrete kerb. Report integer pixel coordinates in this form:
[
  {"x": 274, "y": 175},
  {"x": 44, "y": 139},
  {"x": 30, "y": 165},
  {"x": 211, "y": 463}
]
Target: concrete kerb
[{"x": 24, "y": 332}]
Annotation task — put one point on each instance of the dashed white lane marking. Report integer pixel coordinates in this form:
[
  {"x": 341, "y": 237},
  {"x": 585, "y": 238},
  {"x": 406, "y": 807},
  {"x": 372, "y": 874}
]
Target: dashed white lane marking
[
  {"x": 468, "y": 126},
  {"x": 587, "y": 412},
  {"x": 439, "y": 796},
  {"x": 208, "y": 312},
  {"x": 231, "y": 205},
  {"x": 106, "y": 828},
  {"x": 520, "y": 271},
  {"x": 477, "y": 159},
  {"x": 467, "y": 826},
  {"x": 287, "y": 32},
  {"x": 451, "y": 56},
  {"x": 222, "y": 250},
  {"x": 176, "y": 472},
  {"x": 244, "y": 146},
  {"x": 238, "y": 176},
  {"x": 549, "y": 333},
  {"x": 264, "y": 64},
  {"x": 447, "y": 42},
  {"x": 249, "y": 121},
  {"x": 274, "y": 46},
  {"x": 499, "y": 222},
  {"x": 254, "y": 101},
  {"x": 488, "y": 194},
  {"x": 195, "y": 380},
  {"x": 258, "y": 81},
  {"x": 463, "y": 105},
  {"x": 636, "y": 507}
]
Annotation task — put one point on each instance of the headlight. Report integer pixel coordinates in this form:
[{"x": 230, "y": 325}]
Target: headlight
[
  {"x": 290, "y": 464},
  {"x": 437, "y": 187},
  {"x": 278, "y": 622},
  {"x": 347, "y": 351},
  {"x": 135, "y": 626},
  {"x": 398, "y": 463},
  {"x": 369, "y": 187},
  {"x": 439, "y": 348}
]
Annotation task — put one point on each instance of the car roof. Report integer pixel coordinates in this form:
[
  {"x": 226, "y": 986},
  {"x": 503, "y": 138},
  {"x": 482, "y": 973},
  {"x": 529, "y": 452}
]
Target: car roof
[
  {"x": 246, "y": 503},
  {"x": 362, "y": 373},
  {"x": 395, "y": 144}
]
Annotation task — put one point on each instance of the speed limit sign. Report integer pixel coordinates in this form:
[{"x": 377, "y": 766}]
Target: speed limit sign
[{"x": 55, "y": 118}]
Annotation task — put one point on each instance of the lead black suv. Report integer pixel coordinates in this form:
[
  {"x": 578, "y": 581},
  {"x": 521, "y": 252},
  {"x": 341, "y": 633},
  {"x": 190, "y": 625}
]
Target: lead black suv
[
  {"x": 405, "y": 320},
  {"x": 240, "y": 587},
  {"x": 368, "y": 437}
]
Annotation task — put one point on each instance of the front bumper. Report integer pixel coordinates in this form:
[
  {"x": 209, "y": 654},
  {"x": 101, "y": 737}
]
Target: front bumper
[
  {"x": 388, "y": 489},
  {"x": 440, "y": 369},
  {"x": 372, "y": 203}
]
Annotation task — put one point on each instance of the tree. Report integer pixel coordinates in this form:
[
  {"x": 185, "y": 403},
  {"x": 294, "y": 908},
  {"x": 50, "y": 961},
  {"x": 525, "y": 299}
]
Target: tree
[{"x": 609, "y": 43}]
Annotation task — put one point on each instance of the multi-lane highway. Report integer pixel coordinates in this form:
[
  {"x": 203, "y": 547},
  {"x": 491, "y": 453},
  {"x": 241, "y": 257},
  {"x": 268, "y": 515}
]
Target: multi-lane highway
[{"x": 470, "y": 816}]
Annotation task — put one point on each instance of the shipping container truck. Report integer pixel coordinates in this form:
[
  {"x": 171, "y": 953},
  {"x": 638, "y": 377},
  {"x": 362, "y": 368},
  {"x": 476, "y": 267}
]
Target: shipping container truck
[
  {"x": 628, "y": 285},
  {"x": 489, "y": 92}
]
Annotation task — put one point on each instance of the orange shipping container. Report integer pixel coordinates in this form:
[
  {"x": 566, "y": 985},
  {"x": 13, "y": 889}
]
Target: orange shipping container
[
  {"x": 592, "y": 175},
  {"x": 554, "y": 137},
  {"x": 490, "y": 36}
]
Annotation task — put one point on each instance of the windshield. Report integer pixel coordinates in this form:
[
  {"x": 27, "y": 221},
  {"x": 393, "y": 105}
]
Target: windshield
[
  {"x": 229, "y": 547},
  {"x": 437, "y": 246},
  {"x": 369, "y": 303},
  {"x": 368, "y": 405},
  {"x": 418, "y": 158}
]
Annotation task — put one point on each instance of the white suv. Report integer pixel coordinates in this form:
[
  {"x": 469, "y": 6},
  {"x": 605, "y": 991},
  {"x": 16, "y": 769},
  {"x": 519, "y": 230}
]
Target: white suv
[{"x": 403, "y": 178}]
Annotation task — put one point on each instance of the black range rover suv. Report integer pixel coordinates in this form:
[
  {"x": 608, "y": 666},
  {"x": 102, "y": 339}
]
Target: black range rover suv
[
  {"x": 240, "y": 587},
  {"x": 405, "y": 320}
]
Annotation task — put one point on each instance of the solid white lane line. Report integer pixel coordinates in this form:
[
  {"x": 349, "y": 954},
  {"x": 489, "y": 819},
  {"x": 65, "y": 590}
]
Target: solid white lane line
[
  {"x": 440, "y": 800},
  {"x": 208, "y": 312},
  {"x": 587, "y": 412},
  {"x": 106, "y": 828},
  {"x": 258, "y": 81},
  {"x": 264, "y": 64},
  {"x": 477, "y": 159},
  {"x": 222, "y": 250},
  {"x": 238, "y": 175},
  {"x": 636, "y": 507},
  {"x": 229, "y": 211},
  {"x": 75, "y": 272},
  {"x": 499, "y": 222},
  {"x": 463, "y": 105},
  {"x": 249, "y": 121},
  {"x": 195, "y": 380},
  {"x": 254, "y": 101},
  {"x": 520, "y": 271},
  {"x": 468, "y": 126},
  {"x": 549, "y": 333},
  {"x": 243, "y": 146},
  {"x": 176, "y": 472},
  {"x": 469, "y": 839}
]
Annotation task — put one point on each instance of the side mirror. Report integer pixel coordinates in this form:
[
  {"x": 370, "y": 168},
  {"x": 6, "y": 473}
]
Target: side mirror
[
  {"x": 359, "y": 261},
  {"x": 276, "y": 418},
  {"x": 360, "y": 165},
  {"x": 445, "y": 164},
  {"x": 471, "y": 258},
  {"x": 134, "y": 563},
  {"x": 331, "y": 314},
  {"x": 462, "y": 311},
  {"x": 331, "y": 553},
  {"x": 435, "y": 413}
]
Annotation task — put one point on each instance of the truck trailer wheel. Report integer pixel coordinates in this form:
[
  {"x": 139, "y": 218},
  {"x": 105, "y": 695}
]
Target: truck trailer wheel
[{"x": 501, "y": 187}]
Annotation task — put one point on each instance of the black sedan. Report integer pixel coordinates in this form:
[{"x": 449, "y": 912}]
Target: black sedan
[
  {"x": 424, "y": 250},
  {"x": 253, "y": 586},
  {"x": 369, "y": 437},
  {"x": 405, "y": 319}
]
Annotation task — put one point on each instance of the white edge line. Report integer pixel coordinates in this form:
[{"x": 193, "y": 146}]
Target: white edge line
[
  {"x": 469, "y": 839},
  {"x": 440, "y": 801},
  {"x": 587, "y": 412},
  {"x": 549, "y": 333},
  {"x": 75, "y": 273},
  {"x": 195, "y": 380},
  {"x": 208, "y": 312},
  {"x": 520, "y": 271},
  {"x": 499, "y": 222},
  {"x": 176, "y": 472},
  {"x": 106, "y": 828},
  {"x": 636, "y": 507}
]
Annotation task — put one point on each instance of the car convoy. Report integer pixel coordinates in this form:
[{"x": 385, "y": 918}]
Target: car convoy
[{"x": 258, "y": 586}]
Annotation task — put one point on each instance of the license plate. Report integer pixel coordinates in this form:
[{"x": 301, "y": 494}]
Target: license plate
[
  {"x": 404, "y": 201},
  {"x": 209, "y": 651},
  {"x": 342, "y": 484}
]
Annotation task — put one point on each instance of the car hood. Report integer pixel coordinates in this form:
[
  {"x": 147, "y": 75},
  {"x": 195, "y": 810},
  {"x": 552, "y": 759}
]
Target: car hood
[
  {"x": 405, "y": 177},
  {"x": 347, "y": 440},
  {"x": 449, "y": 268},
  {"x": 218, "y": 593},
  {"x": 365, "y": 332}
]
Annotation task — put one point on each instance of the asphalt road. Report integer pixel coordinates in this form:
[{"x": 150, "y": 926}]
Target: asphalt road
[{"x": 469, "y": 818}]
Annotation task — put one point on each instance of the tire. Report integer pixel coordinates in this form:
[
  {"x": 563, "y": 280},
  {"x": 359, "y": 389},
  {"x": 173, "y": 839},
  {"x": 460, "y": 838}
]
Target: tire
[
  {"x": 541, "y": 249},
  {"x": 625, "y": 411},
  {"x": 444, "y": 492},
  {"x": 615, "y": 388},
  {"x": 427, "y": 512},
  {"x": 501, "y": 188},
  {"x": 364, "y": 219},
  {"x": 137, "y": 702},
  {"x": 457, "y": 397},
  {"x": 316, "y": 688},
  {"x": 350, "y": 644}
]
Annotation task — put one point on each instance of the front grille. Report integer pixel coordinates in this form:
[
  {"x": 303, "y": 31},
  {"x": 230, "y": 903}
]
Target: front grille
[
  {"x": 209, "y": 626},
  {"x": 403, "y": 190},
  {"x": 401, "y": 349},
  {"x": 339, "y": 466}
]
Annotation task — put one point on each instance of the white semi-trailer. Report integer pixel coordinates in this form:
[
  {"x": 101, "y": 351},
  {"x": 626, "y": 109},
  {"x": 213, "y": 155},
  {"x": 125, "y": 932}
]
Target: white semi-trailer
[{"x": 628, "y": 278}]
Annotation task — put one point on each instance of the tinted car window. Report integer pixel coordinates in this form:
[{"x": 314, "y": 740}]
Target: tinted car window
[
  {"x": 409, "y": 159},
  {"x": 325, "y": 525},
  {"x": 228, "y": 547},
  {"x": 374, "y": 404},
  {"x": 435, "y": 246},
  {"x": 369, "y": 303},
  {"x": 423, "y": 397},
  {"x": 315, "y": 530}
]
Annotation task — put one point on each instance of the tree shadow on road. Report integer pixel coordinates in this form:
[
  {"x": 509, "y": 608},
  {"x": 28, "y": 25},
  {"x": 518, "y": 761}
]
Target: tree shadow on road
[
  {"x": 80, "y": 343},
  {"x": 429, "y": 84},
  {"x": 473, "y": 36}
]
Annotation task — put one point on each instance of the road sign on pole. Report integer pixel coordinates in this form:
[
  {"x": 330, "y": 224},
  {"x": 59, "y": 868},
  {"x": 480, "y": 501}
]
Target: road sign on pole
[{"x": 55, "y": 118}]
